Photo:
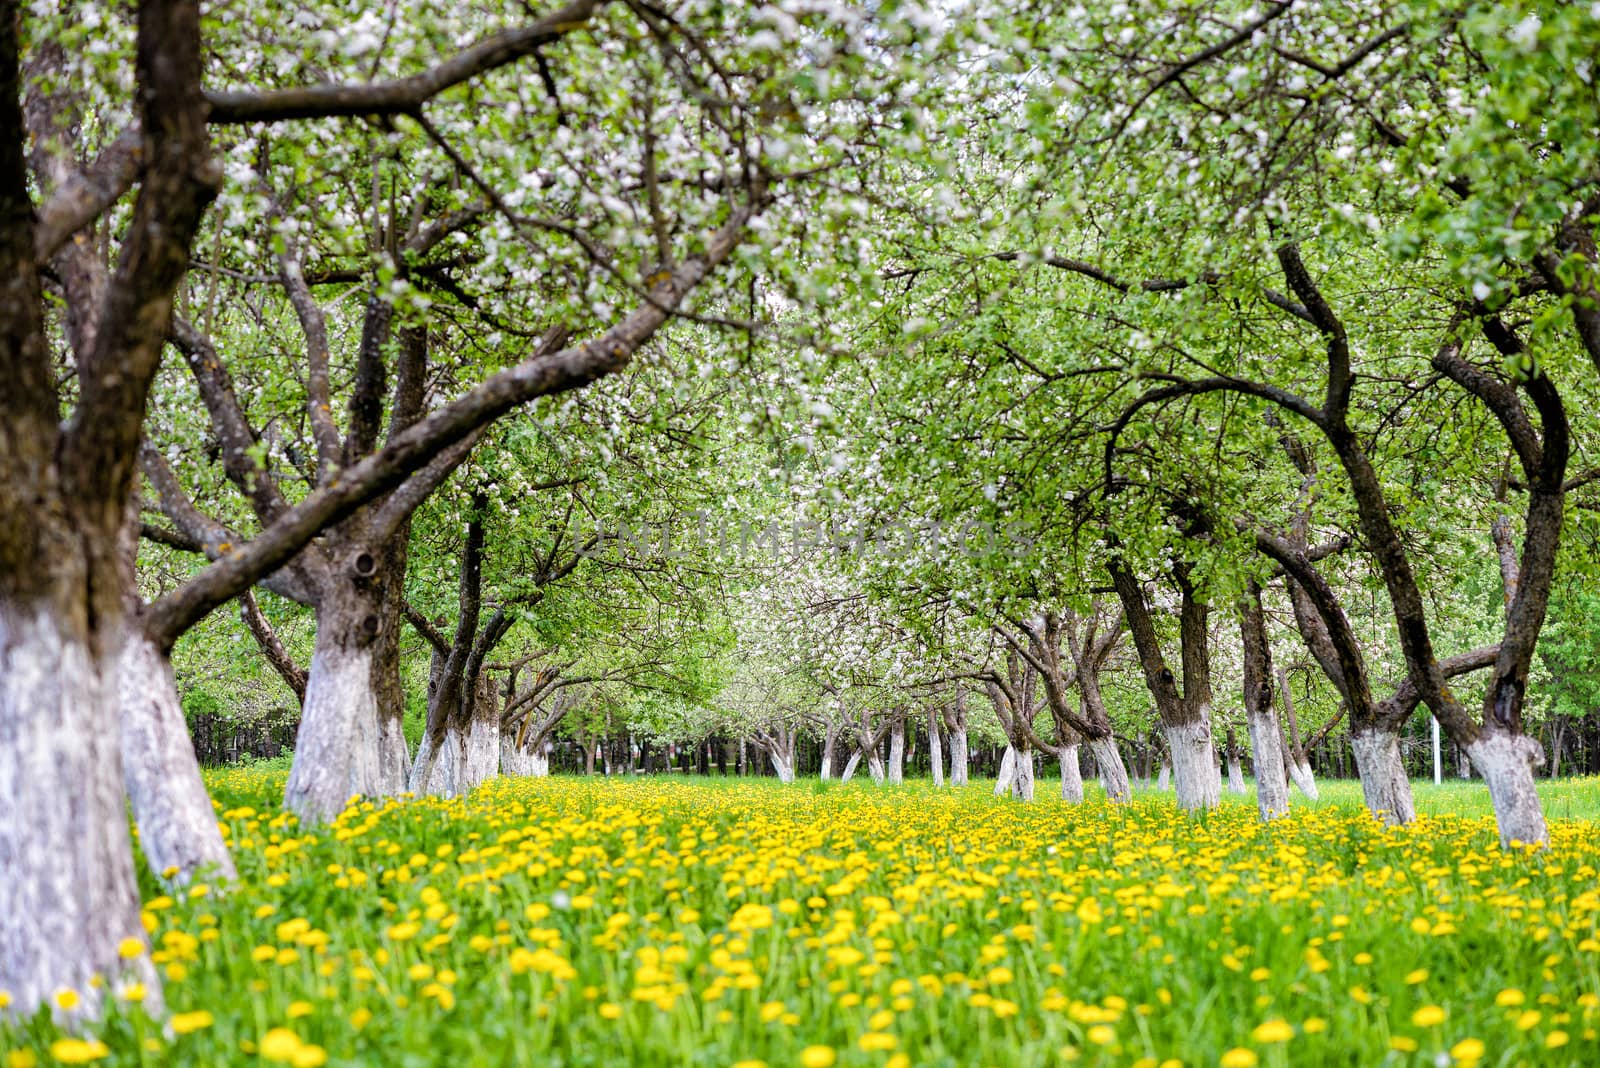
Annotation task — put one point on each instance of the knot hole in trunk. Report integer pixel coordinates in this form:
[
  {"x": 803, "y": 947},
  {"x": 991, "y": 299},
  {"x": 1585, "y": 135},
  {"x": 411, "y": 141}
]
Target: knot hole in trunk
[{"x": 364, "y": 564}]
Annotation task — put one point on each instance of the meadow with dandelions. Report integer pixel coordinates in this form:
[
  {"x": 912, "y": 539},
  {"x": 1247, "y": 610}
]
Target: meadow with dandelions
[{"x": 579, "y": 921}]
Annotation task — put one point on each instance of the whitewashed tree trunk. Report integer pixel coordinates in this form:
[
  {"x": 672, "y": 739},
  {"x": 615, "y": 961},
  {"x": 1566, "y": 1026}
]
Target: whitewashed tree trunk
[
  {"x": 1236, "y": 783},
  {"x": 781, "y": 765},
  {"x": 1164, "y": 776},
  {"x": 394, "y": 755},
  {"x": 1022, "y": 776},
  {"x": 1463, "y": 763},
  {"x": 959, "y": 775},
  {"x": 1272, "y": 791},
  {"x": 1384, "y": 784},
  {"x": 1008, "y": 771},
  {"x": 177, "y": 822},
  {"x": 514, "y": 761},
  {"x": 1113, "y": 773},
  {"x": 829, "y": 735},
  {"x": 336, "y": 752},
  {"x": 1507, "y": 763},
  {"x": 1305, "y": 780},
  {"x": 897, "y": 751},
  {"x": 850, "y": 766},
  {"x": 1071, "y": 774},
  {"x": 68, "y": 894},
  {"x": 426, "y": 759},
  {"x": 935, "y": 749},
  {"x": 875, "y": 767},
  {"x": 481, "y": 743},
  {"x": 539, "y": 766},
  {"x": 1194, "y": 765}
]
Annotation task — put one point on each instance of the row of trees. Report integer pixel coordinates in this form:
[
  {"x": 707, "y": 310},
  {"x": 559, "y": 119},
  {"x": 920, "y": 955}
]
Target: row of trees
[{"x": 1096, "y": 384}]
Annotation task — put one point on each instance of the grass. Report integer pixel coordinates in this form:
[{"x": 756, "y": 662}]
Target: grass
[{"x": 674, "y": 921}]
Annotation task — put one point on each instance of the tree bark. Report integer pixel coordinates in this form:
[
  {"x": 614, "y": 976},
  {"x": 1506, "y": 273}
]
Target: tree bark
[
  {"x": 178, "y": 828},
  {"x": 1235, "y": 770},
  {"x": 1272, "y": 790},
  {"x": 1185, "y": 716},
  {"x": 1384, "y": 784},
  {"x": 897, "y": 749},
  {"x": 1508, "y": 763},
  {"x": 1008, "y": 771},
  {"x": 338, "y": 750},
  {"x": 935, "y": 747},
  {"x": 1071, "y": 774}
]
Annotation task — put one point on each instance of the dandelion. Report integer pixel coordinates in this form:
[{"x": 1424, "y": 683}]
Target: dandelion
[
  {"x": 1272, "y": 1031},
  {"x": 1239, "y": 1057},
  {"x": 78, "y": 1050},
  {"x": 818, "y": 1057},
  {"x": 184, "y": 1023},
  {"x": 1428, "y": 1016}
]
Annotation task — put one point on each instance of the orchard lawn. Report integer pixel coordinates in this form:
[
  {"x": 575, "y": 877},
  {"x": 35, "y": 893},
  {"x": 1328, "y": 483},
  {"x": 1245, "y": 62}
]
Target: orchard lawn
[{"x": 570, "y": 921}]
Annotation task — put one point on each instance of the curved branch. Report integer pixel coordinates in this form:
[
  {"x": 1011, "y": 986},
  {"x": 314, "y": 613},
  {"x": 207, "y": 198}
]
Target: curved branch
[{"x": 401, "y": 94}]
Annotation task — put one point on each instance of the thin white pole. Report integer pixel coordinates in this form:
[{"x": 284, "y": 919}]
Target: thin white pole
[{"x": 1439, "y": 768}]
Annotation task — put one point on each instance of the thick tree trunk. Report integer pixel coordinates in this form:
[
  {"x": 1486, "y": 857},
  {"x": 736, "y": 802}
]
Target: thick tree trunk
[
  {"x": 1164, "y": 776},
  {"x": 1507, "y": 763},
  {"x": 875, "y": 767},
  {"x": 1008, "y": 772},
  {"x": 850, "y": 766},
  {"x": 782, "y": 765},
  {"x": 1071, "y": 774},
  {"x": 897, "y": 750},
  {"x": 1022, "y": 775},
  {"x": 1384, "y": 784},
  {"x": 960, "y": 772},
  {"x": 68, "y": 896},
  {"x": 481, "y": 740},
  {"x": 830, "y": 735},
  {"x": 1194, "y": 766},
  {"x": 337, "y": 750},
  {"x": 935, "y": 749},
  {"x": 177, "y": 822},
  {"x": 1113, "y": 772},
  {"x": 1272, "y": 792}
]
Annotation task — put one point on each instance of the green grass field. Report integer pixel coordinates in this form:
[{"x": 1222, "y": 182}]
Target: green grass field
[{"x": 573, "y": 921}]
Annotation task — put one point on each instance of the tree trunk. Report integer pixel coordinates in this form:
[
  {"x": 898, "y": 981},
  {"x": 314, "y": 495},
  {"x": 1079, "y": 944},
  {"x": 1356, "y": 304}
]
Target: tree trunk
[
  {"x": 1194, "y": 768},
  {"x": 1007, "y": 772},
  {"x": 959, "y": 771},
  {"x": 1071, "y": 774},
  {"x": 481, "y": 740},
  {"x": 1164, "y": 776},
  {"x": 68, "y": 897},
  {"x": 514, "y": 761},
  {"x": 1113, "y": 772},
  {"x": 177, "y": 823},
  {"x": 1272, "y": 790},
  {"x": 829, "y": 736},
  {"x": 337, "y": 750},
  {"x": 1235, "y": 770},
  {"x": 782, "y": 764},
  {"x": 850, "y": 766},
  {"x": 897, "y": 750},
  {"x": 875, "y": 767},
  {"x": 1507, "y": 763},
  {"x": 1022, "y": 775},
  {"x": 935, "y": 748},
  {"x": 1384, "y": 784}
]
